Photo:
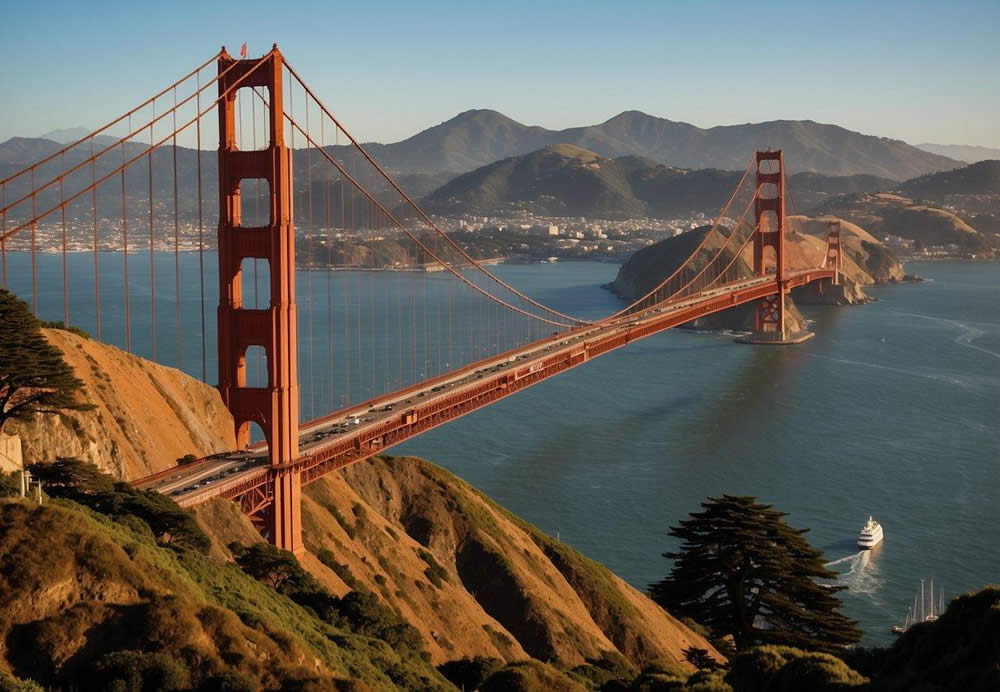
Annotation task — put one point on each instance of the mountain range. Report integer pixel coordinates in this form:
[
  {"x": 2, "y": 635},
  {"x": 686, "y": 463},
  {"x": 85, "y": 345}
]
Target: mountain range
[
  {"x": 478, "y": 137},
  {"x": 475, "y": 138},
  {"x": 962, "y": 152},
  {"x": 649, "y": 166}
]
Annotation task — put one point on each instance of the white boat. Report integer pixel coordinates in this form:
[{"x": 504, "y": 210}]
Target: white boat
[{"x": 871, "y": 535}]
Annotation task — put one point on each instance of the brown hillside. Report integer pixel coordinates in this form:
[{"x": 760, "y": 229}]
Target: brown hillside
[
  {"x": 473, "y": 578},
  {"x": 886, "y": 214},
  {"x": 147, "y": 415}
]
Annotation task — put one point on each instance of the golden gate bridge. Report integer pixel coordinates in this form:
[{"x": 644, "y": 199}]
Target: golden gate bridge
[{"x": 399, "y": 363}]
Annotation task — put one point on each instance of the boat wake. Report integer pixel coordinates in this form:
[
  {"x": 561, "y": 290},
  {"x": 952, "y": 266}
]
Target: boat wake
[
  {"x": 843, "y": 560},
  {"x": 862, "y": 575},
  {"x": 966, "y": 338}
]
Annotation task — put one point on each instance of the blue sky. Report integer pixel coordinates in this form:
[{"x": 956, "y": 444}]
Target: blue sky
[{"x": 919, "y": 71}]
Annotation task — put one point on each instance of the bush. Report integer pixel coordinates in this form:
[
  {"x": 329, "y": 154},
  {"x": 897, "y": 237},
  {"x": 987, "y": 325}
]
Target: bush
[
  {"x": 229, "y": 681},
  {"x": 327, "y": 557},
  {"x": 135, "y": 671},
  {"x": 784, "y": 668},
  {"x": 530, "y": 676},
  {"x": 12, "y": 684},
  {"x": 358, "y": 611},
  {"x": 84, "y": 483},
  {"x": 10, "y": 486},
  {"x": 470, "y": 673},
  {"x": 59, "y": 324},
  {"x": 435, "y": 573},
  {"x": 186, "y": 459}
]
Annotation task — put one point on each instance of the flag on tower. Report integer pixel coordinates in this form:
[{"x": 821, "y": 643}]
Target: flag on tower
[{"x": 243, "y": 50}]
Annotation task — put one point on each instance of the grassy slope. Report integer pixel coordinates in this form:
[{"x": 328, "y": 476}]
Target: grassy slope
[{"x": 78, "y": 585}]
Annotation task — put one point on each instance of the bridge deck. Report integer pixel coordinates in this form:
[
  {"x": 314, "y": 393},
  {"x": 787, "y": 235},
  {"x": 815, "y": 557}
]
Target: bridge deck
[{"x": 354, "y": 434}]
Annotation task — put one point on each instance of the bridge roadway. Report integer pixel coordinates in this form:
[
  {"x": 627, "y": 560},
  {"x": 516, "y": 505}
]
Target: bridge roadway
[{"x": 353, "y": 434}]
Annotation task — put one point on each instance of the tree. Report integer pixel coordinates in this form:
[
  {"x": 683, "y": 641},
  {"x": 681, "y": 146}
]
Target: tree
[
  {"x": 275, "y": 567},
  {"x": 743, "y": 571},
  {"x": 71, "y": 478},
  {"x": 34, "y": 378}
]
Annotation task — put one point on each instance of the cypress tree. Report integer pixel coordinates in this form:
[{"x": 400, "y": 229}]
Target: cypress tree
[
  {"x": 34, "y": 378},
  {"x": 742, "y": 571}
]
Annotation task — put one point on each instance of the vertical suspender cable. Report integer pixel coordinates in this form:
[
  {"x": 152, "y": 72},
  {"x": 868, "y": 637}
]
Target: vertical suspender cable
[
  {"x": 332, "y": 402},
  {"x": 128, "y": 314},
  {"x": 97, "y": 273},
  {"x": 177, "y": 250},
  {"x": 62, "y": 209},
  {"x": 34, "y": 268},
  {"x": 309, "y": 261},
  {"x": 3, "y": 231},
  {"x": 201, "y": 236},
  {"x": 152, "y": 275}
]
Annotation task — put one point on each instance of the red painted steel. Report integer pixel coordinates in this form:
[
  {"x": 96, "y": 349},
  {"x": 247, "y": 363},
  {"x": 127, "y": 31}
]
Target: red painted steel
[
  {"x": 770, "y": 313},
  {"x": 420, "y": 418},
  {"x": 275, "y": 407}
]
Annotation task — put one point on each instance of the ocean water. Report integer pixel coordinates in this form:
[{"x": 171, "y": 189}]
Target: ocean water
[{"x": 893, "y": 409}]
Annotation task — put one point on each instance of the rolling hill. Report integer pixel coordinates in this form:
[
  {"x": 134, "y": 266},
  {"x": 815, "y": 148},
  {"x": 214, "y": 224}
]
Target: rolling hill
[
  {"x": 980, "y": 179},
  {"x": 565, "y": 180},
  {"x": 886, "y": 214}
]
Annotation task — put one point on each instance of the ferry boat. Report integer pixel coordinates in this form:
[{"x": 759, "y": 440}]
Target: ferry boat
[{"x": 871, "y": 535}]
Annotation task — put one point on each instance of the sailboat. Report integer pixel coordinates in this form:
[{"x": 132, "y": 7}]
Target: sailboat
[{"x": 923, "y": 608}]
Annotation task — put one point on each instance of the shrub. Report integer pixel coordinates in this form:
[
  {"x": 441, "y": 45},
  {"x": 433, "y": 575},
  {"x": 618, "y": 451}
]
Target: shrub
[
  {"x": 10, "y": 486},
  {"x": 229, "y": 681},
  {"x": 470, "y": 673},
  {"x": 59, "y": 324},
  {"x": 435, "y": 573},
  {"x": 84, "y": 483},
  {"x": 135, "y": 671},
  {"x": 12, "y": 684},
  {"x": 530, "y": 676},
  {"x": 327, "y": 557}
]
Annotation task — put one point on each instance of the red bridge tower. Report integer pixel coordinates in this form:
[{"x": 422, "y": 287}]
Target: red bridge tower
[
  {"x": 274, "y": 406},
  {"x": 769, "y": 212}
]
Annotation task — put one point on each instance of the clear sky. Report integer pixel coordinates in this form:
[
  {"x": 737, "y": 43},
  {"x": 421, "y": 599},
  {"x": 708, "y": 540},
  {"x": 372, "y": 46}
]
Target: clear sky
[{"x": 914, "y": 70}]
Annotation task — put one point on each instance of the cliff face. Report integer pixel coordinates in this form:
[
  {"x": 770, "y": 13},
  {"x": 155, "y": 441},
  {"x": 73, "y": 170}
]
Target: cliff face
[{"x": 147, "y": 415}]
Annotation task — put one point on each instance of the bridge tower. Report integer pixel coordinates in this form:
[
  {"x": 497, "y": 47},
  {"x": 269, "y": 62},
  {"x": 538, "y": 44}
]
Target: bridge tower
[
  {"x": 769, "y": 214},
  {"x": 274, "y": 406}
]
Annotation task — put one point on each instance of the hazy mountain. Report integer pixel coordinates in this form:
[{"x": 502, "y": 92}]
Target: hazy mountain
[
  {"x": 962, "y": 152},
  {"x": 18, "y": 153},
  {"x": 66, "y": 135},
  {"x": 477, "y": 137},
  {"x": 565, "y": 180}
]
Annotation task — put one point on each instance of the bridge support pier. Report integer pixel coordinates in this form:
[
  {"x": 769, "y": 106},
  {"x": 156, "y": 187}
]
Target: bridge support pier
[{"x": 285, "y": 520}]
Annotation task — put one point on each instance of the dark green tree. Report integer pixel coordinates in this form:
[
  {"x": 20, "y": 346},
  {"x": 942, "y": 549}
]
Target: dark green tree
[
  {"x": 71, "y": 478},
  {"x": 742, "y": 571},
  {"x": 275, "y": 567},
  {"x": 84, "y": 483},
  {"x": 34, "y": 378}
]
